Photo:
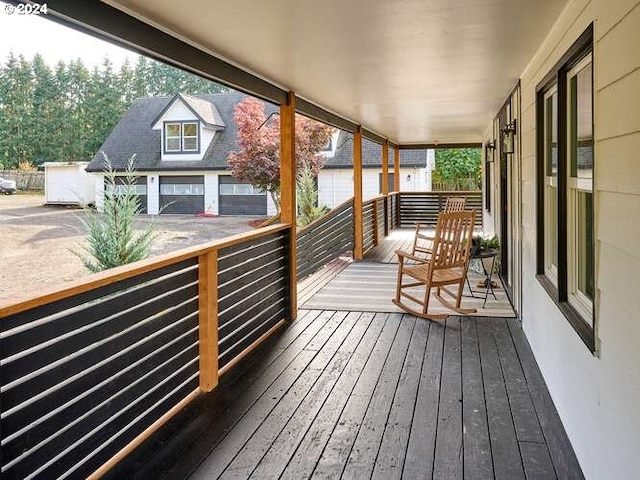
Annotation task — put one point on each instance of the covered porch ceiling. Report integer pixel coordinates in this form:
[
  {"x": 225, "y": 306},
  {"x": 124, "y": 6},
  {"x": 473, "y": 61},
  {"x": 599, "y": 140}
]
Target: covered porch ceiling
[{"x": 413, "y": 71}]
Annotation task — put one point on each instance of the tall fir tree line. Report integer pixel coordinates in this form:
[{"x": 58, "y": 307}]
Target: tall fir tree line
[{"x": 65, "y": 112}]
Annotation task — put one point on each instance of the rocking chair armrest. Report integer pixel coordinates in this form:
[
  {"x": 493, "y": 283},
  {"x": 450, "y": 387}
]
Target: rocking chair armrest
[{"x": 404, "y": 254}]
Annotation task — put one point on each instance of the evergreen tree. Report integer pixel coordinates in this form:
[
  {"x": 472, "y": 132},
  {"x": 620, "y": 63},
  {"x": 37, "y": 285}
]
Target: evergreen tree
[
  {"x": 65, "y": 113},
  {"x": 16, "y": 114},
  {"x": 111, "y": 239}
]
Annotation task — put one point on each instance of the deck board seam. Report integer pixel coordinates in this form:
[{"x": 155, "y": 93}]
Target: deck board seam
[
  {"x": 415, "y": 403},
  {"x": 484, "y": 395},
  {"x": 386, "y": 317},
  {"x": 533, "y": 402},
  {"x": 244, "y": 414},
  {"x": 350, "y": 355},
  {"x": 506, "y": 389},
  {"x": 395, "y": 392},
  {"x": 395, "y": 335},
  {"x": 435, "y": 438}
]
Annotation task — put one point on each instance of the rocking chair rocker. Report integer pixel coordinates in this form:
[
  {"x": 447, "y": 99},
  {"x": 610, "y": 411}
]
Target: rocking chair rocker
[{"x": 447, "y": 265}]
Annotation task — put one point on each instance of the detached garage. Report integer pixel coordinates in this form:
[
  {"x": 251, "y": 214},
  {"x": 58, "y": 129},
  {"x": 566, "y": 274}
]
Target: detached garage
[
  {"x": 237, "y": 198},
  {"x": 140, "y": 190},
  {"x": 181, "y": 194}
]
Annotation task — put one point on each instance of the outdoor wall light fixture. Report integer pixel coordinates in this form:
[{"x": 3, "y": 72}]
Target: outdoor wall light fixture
[
  {"x": 508, "y": 134},
  {"x": 489, "y": 148},
  {"x": 409, "y": 178}
]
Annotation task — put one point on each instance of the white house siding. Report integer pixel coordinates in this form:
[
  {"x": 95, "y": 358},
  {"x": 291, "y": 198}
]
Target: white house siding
[
  {"x": 211, "y": 193},
  {"x": 271, "y": 207},
  {"x": 99, "y": 191},
  {"x": 336, "y": 185},
  {"x": 597, "y": 397},
  {"x": 153, "y": 193}
]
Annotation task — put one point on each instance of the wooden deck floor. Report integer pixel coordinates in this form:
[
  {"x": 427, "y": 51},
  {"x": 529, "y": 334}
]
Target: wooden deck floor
[{"x": 366, "y": 395}]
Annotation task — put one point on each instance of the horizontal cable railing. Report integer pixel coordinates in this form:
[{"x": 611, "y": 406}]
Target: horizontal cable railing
[
  {"x": 380, "y": 210},
  {"x": 393, "y": 212},
  {"x": 423, "y": 207},
  {"x": 252, "y": 286},
  {"x": 325, "y": 239},
  {"x": 87, "y": 369},
  {"x": 369, "y": 229}
]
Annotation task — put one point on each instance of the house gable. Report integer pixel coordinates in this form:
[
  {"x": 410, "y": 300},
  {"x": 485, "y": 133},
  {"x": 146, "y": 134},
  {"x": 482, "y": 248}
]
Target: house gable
[{"x": 179, "y": 140}]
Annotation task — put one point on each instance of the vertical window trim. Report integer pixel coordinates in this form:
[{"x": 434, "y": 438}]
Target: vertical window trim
[
  {"x": 550, "y": 269},
  {"x": 575, "y": 297},
  {"x": 582, "y": 47}
]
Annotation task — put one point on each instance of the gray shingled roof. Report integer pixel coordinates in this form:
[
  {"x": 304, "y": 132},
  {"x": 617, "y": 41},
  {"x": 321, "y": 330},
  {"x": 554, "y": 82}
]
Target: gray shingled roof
[
  {"x": 371, "y": 154},
  {"x": 205, "y": 109},
  {"x": 133, "y": 135}
]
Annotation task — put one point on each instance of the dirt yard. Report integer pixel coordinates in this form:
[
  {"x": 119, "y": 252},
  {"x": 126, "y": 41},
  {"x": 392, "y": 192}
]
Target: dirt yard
[{"x": 37, "y": 242}]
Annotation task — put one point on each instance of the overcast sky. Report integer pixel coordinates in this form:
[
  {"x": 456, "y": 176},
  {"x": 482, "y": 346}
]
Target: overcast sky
[{"x": 30, "y": 34}]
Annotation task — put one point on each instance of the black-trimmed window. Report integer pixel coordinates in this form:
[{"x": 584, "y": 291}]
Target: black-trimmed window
[
  {"x": 566, "y": 242},
  {"x": 181, "y": 137}
]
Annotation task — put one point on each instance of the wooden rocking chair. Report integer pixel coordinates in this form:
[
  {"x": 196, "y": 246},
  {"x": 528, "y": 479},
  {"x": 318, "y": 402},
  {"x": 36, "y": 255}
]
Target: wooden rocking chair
[
  {"x": 423, "y": 243},
  {"x": 447, "y": 265}
]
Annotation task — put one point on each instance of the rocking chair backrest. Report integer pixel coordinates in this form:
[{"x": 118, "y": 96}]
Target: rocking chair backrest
[
  {"x": 423, "y": 243},
  {"x": 455, "y": 204},
  {"x": 452, "y": 241}
]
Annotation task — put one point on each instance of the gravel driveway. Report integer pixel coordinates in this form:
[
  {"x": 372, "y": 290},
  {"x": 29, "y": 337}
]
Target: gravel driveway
[{"x": 37, "y": 241}]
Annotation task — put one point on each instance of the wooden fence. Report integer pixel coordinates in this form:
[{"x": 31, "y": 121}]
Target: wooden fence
[
  {"x": 25, "y": 180},
  {"x": 87, "y": 369},
  {"x": 423, "y": 207}
]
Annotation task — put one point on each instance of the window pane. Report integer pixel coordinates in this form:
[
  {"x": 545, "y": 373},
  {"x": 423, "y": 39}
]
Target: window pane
[
  {"x": 243, "y": 189},
  {"x": 172, "y": 129},
  {"x": 581, "y": 123},
  {"x": 551, "y": 226},
  {"x": 173, "y": 144},
  {"x": 551, "y": 185},
  {"x": 580, "y": 242},
  {"x": 124, "y": 189},
  {"x": 551, "y": 134},
  {"x": 226, "y": 189},
  {"x": 190, "y": 144},
  {"x": 182, "y": 189},
  {"x": 585, "y": 244},
  {"x": 189, "y": 129}
]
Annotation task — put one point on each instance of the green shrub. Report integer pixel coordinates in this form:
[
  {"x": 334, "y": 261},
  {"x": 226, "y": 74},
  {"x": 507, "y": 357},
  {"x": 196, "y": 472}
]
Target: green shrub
[
  {"x": 111, "y": 239},
  {"x": 307, "y": 192}
]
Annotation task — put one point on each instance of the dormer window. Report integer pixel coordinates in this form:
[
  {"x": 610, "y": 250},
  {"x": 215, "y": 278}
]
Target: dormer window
[{"x": 181, "y": 137}]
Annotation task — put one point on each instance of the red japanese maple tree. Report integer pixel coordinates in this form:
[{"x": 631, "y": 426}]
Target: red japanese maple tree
[{"x": 258, "y": 158}]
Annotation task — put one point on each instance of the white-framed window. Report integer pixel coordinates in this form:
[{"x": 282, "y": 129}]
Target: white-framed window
[
  {"x": 182, "y": 189},
  {"x": 551, "y": 184},
  {"x": 190, "y": 137},
  {"x": 239, "y": 189},
  {"x": 580, "y": 159},
  {"x": 138, "y": 189},
  {"x": 172, "y": 137},
  {"x": 181, "y": 137}
]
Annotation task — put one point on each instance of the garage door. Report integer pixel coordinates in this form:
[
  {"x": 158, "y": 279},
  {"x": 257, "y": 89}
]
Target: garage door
[
  {"x": 140, "y": 189},
  {"x": 182, "y": 194},
  {"x": 237, "y": 198}
]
